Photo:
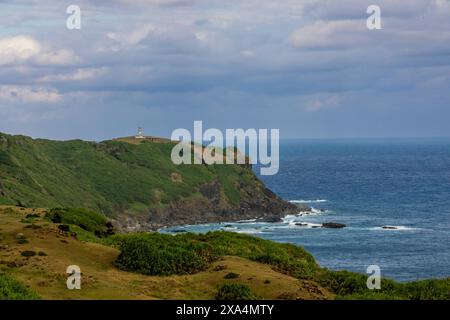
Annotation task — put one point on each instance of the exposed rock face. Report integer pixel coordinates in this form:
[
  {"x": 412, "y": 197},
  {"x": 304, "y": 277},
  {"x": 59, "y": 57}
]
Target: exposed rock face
[{"x": 212, "y": 207}]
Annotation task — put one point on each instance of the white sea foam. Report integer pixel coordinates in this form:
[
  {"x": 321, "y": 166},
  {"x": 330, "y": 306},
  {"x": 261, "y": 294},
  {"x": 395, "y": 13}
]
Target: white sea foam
[
  {"x": 246, "y": 221},
  {"x": 308, "y": 201},
  {"x": 316, "y": 212}
]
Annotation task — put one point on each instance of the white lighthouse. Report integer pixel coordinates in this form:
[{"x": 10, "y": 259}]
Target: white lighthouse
[{"x": 140, "y": 134}]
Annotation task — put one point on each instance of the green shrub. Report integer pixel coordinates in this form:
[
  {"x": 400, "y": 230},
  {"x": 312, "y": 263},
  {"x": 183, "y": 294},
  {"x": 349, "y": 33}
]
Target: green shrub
[
  {"x": 85, "y": 219},
  {"x": 349, "y": 285},
  {"x": 231, "y": 275},
  {"x": 235, "y": 291},
  {"x": 287, "y": 258},
  {"x": 11, "y": 289},
  {"x": 159, "y": 254},
  {"x": 28, "y": 253},
  {"x": 435, "y": 289}
]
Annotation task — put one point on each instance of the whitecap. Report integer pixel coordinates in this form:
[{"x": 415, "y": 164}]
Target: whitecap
[
  {"x": 246, "y": 221},
  {"x": 309, "y": 201}
]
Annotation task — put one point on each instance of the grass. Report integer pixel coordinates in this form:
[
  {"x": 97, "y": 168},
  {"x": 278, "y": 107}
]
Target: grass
[
  {"x": 11, "y": 289},
  {"x": 160, "y": 254},
  {"x": 184, "y": 266},
  {"x": 101, "y": 279},
  {"x": 288, "y": 258},
  {"x": 235, "y": 292},
  {"x": 179, "y": 254},
  {"x": 110, "y": 177},
  {"x": 86, "y": 220}
]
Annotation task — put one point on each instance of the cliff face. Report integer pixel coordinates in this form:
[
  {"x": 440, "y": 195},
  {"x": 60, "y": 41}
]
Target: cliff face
[{"x": 133, "y": 182}]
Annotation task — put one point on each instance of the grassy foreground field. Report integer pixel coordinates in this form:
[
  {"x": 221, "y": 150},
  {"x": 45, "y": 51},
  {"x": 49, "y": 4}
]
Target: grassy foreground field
[
  {"x": 45, "y": 276},
  {"x": 37, "y": 245}
]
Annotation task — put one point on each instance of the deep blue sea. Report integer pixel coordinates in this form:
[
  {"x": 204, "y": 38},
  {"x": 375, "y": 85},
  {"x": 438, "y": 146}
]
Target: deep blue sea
[{"x": 365, "y": 184}]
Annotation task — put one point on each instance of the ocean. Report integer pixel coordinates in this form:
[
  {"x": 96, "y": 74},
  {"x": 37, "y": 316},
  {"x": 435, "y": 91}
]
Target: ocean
[{"x": 365, "y": 184}]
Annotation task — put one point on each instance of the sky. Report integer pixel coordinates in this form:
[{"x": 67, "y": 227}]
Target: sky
[{"x": 310, "y": 68}]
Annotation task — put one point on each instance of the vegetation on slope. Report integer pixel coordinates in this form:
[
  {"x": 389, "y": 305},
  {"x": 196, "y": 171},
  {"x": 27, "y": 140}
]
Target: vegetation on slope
[
  {"x": 233, "y": 291},
  {"x": 198, "y": 258},
  {"x": 109, "y": 177},
  {"x": 150, "y": 251},
  {"x": 159, "y": 254},
  {"x": 11, "y": 289},
  {"x": 85, "y": 219},
  {"x": 36, "y": 252}
]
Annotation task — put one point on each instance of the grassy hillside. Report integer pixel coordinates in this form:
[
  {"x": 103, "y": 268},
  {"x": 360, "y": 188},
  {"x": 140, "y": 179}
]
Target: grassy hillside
[
  {"x": 35, "y": 252},
  {"x": 42, "y": 274},
  {"x": 115, "y": 177}
]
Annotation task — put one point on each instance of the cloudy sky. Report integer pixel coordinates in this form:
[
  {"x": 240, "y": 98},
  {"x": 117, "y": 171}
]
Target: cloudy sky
[{"x": 308, "y": 67}]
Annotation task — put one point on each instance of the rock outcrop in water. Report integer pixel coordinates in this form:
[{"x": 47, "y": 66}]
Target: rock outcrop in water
[{"x": 333, "y": 225}]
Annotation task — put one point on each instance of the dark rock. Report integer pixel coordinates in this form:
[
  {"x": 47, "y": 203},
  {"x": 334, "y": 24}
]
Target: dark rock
[
  {"x": 333, "y": 225},
  {"x": 389, "y": 227},
  {"x": 301, "y": 224},
  {"x": 64, "y": 227},
  {"x": 28, "y": 253},
  {"x": 270, "y": 219},
  {"x": 220, "y": 267}
]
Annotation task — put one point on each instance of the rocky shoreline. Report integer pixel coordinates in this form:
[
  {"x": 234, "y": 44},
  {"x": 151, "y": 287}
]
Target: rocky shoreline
[{"x": 264, "y": 207}]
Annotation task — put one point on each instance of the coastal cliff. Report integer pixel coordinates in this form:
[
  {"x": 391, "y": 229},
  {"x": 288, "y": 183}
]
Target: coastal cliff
[{"x": 132, "y": 181}]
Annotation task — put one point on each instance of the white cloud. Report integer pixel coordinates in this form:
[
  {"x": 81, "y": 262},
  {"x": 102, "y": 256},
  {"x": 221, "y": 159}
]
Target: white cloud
[
  {"x": 78, "y": 75},
  {"x": 60, "y": 57},
  {"x": 28, "y": 94},
  {"x": 325, "y": 103},
  {"x": 160, "y": 2},
  {"x": 24, "y": 48},
  {"x": 134, "y": 36},
  {"x": 18, "y": 48},
  {"x": 325, "y": 34}
]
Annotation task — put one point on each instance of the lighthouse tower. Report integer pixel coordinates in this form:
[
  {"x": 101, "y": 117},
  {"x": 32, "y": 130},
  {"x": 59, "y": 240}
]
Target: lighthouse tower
[{"x": 140, "y": 134}]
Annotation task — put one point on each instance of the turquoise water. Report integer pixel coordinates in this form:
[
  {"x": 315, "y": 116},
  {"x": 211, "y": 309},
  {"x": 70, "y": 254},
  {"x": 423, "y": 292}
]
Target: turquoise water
[{"x": 365, "y": 184}]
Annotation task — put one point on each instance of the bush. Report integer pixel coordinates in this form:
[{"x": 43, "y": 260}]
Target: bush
[
  {"x": 28, "y": 253},
  {"x": 287, "y": 258},
  {"x": 231, "y": 275},
  {"x": 64, "y": 227},
  {"x": 186, "y": 253},
  {"x": 11, "y": 289},
  {"x": 87, "y": 220},
  {"x": 159, "y": 254},
  {"x": 349, "y": 285},
  {"x": 235, "y": 292}
]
